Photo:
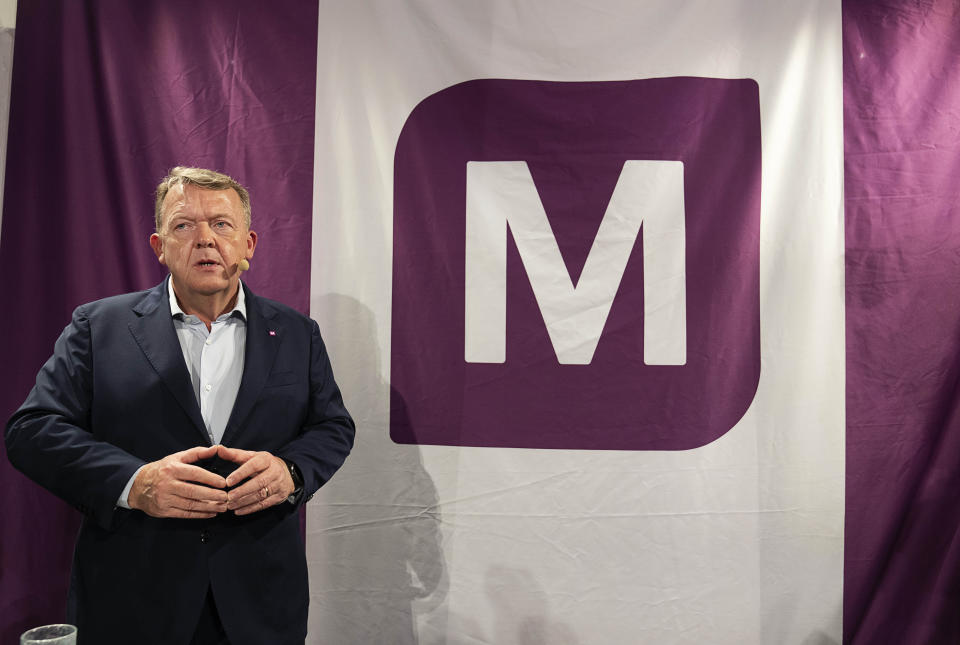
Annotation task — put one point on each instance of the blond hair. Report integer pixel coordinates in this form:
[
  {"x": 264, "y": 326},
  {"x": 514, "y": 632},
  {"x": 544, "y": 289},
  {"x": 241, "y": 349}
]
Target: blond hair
[{"x": 202, "y": 178}]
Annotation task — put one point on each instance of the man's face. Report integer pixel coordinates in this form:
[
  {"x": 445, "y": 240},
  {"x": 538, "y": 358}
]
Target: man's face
[{"x": 203, "y": 236}]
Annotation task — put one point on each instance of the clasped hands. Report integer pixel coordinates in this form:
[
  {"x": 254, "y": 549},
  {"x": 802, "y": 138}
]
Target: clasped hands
[{"x": 175, "y": 487}]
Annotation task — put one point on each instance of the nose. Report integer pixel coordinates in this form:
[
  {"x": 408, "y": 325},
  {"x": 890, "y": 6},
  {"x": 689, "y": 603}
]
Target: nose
[{"x": 204, "y": 236}]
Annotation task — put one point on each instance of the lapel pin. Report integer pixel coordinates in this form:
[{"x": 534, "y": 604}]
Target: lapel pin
[{"x": 272, "y": 333}]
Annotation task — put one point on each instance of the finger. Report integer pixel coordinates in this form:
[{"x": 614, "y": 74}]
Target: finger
[
  {"x": 190, "y": 497},
  {"x": 183, "y": 508},
  {"x": 253, "y": 467},
  {"x": 235, "y": 455},
  {"x": 271, "y": 483},
  {"x": 259, "y": 505},
  {"x": 251, "y": 508},
  {"x": 191, "y": 473},
  {"x": 172, "y": 505},
  {"x": 187, "y": 490},
  {"x": 200, "y": 505},
  {"x": 196, "y": 454},
  {"x": 182, "y": 512},
  {"x": 252, "y": 491},
  {"x": 245, "y": 500},
  {"x": 195, "y": 515}
]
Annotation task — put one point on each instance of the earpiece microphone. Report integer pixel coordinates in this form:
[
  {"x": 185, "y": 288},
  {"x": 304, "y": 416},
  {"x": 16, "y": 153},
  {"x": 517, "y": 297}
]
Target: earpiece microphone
[{"x": 243, "y": 264}]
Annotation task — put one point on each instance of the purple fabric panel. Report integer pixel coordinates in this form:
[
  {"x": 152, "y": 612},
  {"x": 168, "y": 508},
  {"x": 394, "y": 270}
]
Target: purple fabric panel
[
  {"x": 902, "y": 185},
  {"x": 106, "y": 97}
]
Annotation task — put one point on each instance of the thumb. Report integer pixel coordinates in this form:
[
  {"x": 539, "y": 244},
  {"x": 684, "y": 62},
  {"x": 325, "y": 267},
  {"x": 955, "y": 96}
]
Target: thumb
[
  {"x": 235, "y": 455},
  {"x": 198, "y": 453}
]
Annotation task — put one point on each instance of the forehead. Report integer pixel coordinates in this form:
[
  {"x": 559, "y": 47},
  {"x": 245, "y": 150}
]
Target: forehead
[{"x": 194, "y": 201}]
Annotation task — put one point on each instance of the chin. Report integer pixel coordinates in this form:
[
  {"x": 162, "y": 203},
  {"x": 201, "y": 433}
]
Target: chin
[{"x": 210, "y": 286}]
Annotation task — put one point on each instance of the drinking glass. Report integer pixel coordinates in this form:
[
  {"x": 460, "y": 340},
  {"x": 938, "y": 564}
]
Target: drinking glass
[{"x": 50, "y": 635}]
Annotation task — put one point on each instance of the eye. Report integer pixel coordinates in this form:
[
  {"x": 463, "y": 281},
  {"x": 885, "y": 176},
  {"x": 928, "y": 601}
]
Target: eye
[
  {"x": 222, "y": 225},
  {"x": 181, "y": 226}
]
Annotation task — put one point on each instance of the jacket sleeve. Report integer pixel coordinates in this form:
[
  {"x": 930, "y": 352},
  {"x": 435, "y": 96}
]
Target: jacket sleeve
[
  {"x": 50, "y": 440},
  {"x": 327, "y": 435}
]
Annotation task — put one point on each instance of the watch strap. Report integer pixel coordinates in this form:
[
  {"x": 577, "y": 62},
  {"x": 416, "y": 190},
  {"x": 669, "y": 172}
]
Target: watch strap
[{"x": 297, "y": 481}]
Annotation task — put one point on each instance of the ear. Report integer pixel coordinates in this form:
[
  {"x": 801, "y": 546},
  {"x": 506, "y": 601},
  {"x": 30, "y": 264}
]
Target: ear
[
  {"x": 251, "y": 244},
  {"x": 157, "y": 245}
]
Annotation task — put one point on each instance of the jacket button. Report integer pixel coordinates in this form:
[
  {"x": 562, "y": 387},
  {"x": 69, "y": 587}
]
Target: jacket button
[{"x": 203, "y": 536}]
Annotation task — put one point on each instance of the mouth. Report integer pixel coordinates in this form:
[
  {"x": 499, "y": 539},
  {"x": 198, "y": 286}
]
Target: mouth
[{"x": 208, "y": 264}]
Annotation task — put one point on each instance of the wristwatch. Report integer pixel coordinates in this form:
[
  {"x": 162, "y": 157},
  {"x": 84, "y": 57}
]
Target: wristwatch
[{"x": 297, "y": 481}]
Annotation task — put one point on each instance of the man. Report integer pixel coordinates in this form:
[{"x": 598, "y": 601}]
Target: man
[{"x": 188, "y": 423}]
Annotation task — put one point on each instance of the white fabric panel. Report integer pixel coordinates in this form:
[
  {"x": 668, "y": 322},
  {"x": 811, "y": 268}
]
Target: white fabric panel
[
  {"x": 739, "y": 541},
  {"x": 8, "y": 16}
]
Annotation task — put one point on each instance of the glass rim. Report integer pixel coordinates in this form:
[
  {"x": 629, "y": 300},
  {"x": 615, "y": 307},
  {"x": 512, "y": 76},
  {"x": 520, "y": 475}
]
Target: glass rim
[{"x": 62, "y": 629}]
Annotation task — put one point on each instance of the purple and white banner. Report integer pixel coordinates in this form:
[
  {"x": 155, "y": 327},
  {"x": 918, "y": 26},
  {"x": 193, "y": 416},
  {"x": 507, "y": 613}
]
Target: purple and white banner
[
  {"x": 646, "y": 311},
  {"x": 597, "y": 251}
]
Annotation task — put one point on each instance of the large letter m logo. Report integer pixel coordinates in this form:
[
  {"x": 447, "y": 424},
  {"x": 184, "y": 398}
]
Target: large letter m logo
[
  {"x": 502, "y": 193},
  {"x": 576, "y": 265}
]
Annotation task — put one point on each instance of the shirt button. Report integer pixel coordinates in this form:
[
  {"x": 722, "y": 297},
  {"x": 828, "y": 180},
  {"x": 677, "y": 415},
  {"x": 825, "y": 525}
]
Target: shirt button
[
  {"x": 207, "y": 387},
  {"x": 207, "y": 342}
]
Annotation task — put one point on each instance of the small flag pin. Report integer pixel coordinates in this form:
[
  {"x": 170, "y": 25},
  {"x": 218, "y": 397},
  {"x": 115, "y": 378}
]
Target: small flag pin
[{"x": 272, "y": 333}]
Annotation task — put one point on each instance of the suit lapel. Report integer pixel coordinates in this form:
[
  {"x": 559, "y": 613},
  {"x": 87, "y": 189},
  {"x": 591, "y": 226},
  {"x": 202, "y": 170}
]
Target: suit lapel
[
  {"x": 154, "y": 333},
  {"x": 263, "y": 342}
]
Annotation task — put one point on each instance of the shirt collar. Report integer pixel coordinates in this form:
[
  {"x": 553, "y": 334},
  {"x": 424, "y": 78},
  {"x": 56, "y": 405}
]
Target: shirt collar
[{"x": 175, "y": 310}]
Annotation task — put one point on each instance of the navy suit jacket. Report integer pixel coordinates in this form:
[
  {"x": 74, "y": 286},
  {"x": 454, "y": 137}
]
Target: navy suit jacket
[{"x": 115, "y": 395}]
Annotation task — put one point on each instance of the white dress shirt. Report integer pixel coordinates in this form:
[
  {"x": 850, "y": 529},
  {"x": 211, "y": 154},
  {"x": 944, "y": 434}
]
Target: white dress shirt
[{"x": 214, "y": 359}]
